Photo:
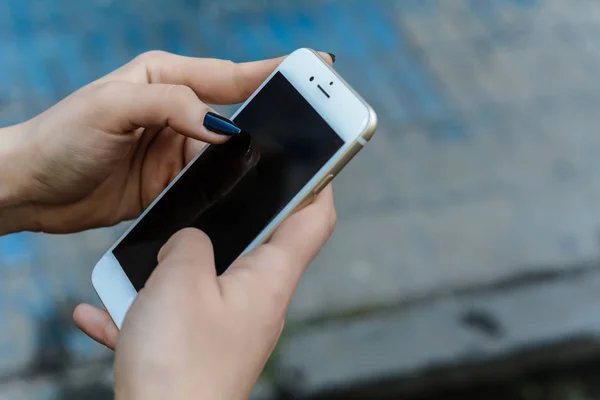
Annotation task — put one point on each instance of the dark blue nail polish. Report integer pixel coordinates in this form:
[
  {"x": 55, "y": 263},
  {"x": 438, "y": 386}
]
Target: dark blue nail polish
[
  {"x": 332, "y": 57},
  {"x": 221, "y": 125}
]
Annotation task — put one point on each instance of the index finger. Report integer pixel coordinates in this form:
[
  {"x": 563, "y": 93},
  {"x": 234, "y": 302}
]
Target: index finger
[{"x": 214, "y": 81}]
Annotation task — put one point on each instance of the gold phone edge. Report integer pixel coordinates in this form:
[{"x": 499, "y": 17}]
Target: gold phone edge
[{"x": 342, "y": 161}]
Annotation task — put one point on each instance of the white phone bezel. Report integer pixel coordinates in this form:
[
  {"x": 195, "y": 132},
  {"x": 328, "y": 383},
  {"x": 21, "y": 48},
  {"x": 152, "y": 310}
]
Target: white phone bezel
[{"x": 343, "y": 110}]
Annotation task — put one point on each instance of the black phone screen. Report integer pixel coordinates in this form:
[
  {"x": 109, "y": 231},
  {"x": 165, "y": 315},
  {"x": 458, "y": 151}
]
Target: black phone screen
[{"x": 234, "y": 190}]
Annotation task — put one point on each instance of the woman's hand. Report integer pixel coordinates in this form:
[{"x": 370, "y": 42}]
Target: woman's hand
[
  {"x": 104, "y": 153},
  {"x": 100, "y": 157},
  {"x": 193, "y": 335}
]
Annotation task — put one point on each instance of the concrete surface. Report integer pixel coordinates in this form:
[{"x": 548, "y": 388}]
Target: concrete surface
[
  {"x": 482, "y": 177},
  {"x": 494, "y": 334}
]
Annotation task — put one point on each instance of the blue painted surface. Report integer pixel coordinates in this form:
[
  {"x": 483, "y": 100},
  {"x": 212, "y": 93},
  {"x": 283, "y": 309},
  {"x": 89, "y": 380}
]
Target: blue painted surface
[{"x": 115, "y": 33}]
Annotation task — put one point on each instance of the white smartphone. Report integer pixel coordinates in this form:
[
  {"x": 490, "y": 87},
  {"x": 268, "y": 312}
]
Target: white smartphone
[{"x": 300, "y": 128}]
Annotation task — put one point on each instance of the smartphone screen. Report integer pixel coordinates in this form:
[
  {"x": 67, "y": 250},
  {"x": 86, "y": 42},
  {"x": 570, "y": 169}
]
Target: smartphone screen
[{"x": 234, "y": 190}]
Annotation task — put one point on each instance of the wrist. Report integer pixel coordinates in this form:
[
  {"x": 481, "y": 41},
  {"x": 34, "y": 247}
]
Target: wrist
[
  {"x": 18, "y": 219},
  {"x": 16, "y": 212},
  {"x": 10, "y": 160}
]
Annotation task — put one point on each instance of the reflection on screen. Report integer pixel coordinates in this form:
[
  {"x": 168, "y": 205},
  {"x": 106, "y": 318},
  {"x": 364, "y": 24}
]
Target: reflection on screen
[{"x": 232, "y": 191}]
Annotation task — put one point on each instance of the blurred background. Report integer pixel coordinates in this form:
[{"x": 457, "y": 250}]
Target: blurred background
[{"x": 466, "y": 260}]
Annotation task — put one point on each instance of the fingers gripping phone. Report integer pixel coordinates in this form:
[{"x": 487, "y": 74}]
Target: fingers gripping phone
[{"x": 300, "y": 128}]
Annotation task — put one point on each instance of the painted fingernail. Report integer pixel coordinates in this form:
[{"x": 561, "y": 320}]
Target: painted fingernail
[
  {"x": 332, "y": 57},
  {"x": 221, "y": 125}
]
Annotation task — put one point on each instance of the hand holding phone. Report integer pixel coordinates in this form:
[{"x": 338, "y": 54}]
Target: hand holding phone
[
  {"x": 104, "y": 153},
  {"x": 190, "y": 334}
]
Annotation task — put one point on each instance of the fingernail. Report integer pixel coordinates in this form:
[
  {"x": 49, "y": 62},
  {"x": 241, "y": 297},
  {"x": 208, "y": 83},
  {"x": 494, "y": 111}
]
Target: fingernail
[
  {"x": 221, "y": 125},
  {"x": 332, "y": 57}
]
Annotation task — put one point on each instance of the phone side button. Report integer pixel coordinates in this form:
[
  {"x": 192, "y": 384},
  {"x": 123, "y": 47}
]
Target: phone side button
[
  {"x": 321, "y": 185},
  {"x": 306, "y": 201}
]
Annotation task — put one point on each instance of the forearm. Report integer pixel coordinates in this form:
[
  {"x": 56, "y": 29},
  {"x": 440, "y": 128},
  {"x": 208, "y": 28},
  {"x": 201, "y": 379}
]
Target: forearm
[{"x": 16, "y": 213}]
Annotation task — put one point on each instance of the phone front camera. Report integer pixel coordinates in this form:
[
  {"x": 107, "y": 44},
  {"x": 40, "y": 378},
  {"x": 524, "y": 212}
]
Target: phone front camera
[
  {"x": 330, "y": 83},
  {"x": 312, "y": 78}
]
